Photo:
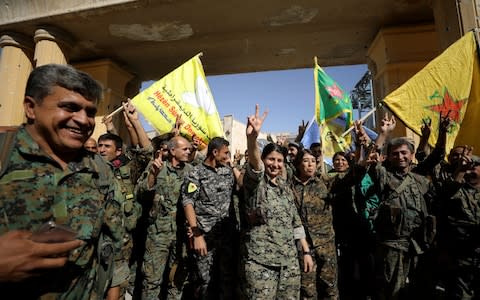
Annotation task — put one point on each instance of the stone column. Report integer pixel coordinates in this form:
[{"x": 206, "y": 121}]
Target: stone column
[
  {"x": 15, "y": 66},
  {"x": 51, "y": 46},
  {"x": 395, "y": 55}
]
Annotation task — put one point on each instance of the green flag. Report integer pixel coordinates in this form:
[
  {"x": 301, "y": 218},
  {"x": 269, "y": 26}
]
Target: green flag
[{"x": 331, "y": 101}]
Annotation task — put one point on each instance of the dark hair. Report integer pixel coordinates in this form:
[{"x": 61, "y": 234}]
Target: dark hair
[
  {"x": 269, "y": 148},
  {"x": 111, "y": 137},
  {"x": 339, "y": 153},
  {"x": 216, "y": 144},
  {"x": 159, "y": 141},
  {"x": 299, "y": 158},
  {"x": 44, "y": 78},
  {"x": 313, "y": 145},
  {"x": 400, "y": 141}
]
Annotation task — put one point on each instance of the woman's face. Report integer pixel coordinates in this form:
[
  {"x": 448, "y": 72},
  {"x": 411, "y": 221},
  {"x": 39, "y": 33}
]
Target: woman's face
[
  {"x": 340, "y": 163},
  {"x": 273, "y": 164},
  {"x": 308, "y": 166}
]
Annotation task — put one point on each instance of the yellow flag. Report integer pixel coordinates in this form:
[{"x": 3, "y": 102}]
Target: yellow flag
[
  {"x": 185, "y": 92},
  {"x": 448, "y": 85},
  {"x": 331, "y": 139}
]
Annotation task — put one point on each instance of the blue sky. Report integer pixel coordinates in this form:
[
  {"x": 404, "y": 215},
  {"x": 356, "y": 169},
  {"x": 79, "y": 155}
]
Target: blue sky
[{"x": 288, "y": 95}]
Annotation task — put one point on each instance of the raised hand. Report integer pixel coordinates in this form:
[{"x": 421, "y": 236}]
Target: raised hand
[
  {"x": 426, "y": 128},
  {"x": 237, "y": 157},
  {"x": 445, "y": 123},
  {"x": 130, "y": 110},
  {"x": 388, "y": 124},
  {"x": 255, "y": 122},
  {"x": 281, "y": 140},
  {"x": 302, "y": 127}
]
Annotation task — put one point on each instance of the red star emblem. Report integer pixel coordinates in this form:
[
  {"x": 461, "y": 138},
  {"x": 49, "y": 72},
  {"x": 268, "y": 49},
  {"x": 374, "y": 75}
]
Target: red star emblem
[
  {"x": 335, "y": 91},
  {"x": 449, "y": 106}
]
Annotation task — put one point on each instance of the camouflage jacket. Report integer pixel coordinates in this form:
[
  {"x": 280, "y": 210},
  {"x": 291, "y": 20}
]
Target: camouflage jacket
[
  {"x": 315, "y": 210},
  {"x": 210, "y": 192},
  {"x": 165, "y": 195},
  {"x": 35, "y": 189},
  {"x": 403, "y": 208},
  {"x": 459, "y": 217},
  {"x": 272, "y": 241}
]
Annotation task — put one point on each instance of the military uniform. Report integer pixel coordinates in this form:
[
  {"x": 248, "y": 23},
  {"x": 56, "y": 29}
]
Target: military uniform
[
  {"x": 131, "y": 212},
  {"x": 209, "y": 190},
  {"x": 458, "y": 239},
  {"x": 311, "y": 199},
  {"x": 401, "y": 230},
  {"x": 166, "y": 232},
  {"x": 269, "y": 255},
  {"x": 139, "y": 159},
  {"x": 34, "y": 189}
]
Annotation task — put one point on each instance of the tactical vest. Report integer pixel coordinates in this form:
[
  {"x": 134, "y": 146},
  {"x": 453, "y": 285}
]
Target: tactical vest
[
  {"x": 401, "y": 214},
  {"x": 129, "y": 207}
]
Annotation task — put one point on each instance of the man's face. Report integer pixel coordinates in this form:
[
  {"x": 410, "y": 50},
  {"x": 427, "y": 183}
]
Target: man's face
[
  {"x": 292, "y": 152},
  {"x": 455, "y": 154},
  {"x": 181, "y": 151},
  {"x": 222, "y": 155},
  {"x": 316, "y": 151},
  {"x": 91, "y": 145},
  {"x": 108, "y": 150},
  {"x": 64, "y": 119},
  {"x": 400, "y": 157}
]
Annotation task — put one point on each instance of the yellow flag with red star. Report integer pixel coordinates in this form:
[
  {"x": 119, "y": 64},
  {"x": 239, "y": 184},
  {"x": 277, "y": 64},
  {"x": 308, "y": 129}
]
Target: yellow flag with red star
[{"x": 447, "y": 86}]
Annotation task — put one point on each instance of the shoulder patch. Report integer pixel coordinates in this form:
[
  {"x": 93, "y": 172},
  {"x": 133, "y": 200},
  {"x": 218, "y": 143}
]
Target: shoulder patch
[{"x": 191, "y": 187}]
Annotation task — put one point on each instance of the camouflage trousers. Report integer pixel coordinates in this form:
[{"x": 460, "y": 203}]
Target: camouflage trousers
[
  {"x": 392, "y": 269},
  {"x": 463, "y": 278},
  {"x": 214, "y": 272},
  {"x": 163, "y": 259},
  {"x": 322, "y": 282},
  {"x": 268, "y": 282}
]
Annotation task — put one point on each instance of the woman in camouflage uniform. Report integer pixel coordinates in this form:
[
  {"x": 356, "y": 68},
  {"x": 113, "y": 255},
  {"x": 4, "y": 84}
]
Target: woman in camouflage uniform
[
  {"x": 269, "y": 257},
  {"x": 315, "y": 210}
]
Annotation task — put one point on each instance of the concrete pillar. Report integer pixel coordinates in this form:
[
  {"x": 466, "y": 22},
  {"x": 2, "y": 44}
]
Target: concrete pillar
[
  {"x": 454, "y": 18},
  {"x": 15, "y": 66},
  {"x": 395, "y": 55},
  {"x": 118, "y": 84},
  {"x": 51, "y": 46}
]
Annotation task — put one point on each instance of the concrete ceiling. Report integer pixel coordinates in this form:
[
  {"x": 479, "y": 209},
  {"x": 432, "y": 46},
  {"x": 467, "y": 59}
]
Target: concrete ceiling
[{"x": 150, "y": 38}]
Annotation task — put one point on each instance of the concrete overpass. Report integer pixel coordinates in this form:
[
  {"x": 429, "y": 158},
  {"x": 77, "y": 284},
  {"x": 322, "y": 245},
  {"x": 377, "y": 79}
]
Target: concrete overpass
[{"x": 124, "y": 42}]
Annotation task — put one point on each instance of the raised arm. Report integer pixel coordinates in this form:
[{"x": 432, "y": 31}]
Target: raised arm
[
  {"x": 132, "y": 115},
  {"x": 388, "y": 125},
  {"x": 254, "y": 125}
]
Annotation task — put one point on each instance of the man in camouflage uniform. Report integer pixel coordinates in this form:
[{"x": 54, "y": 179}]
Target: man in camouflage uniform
[
  {"x": 207, "y": 200},
  {"x": 49, "y": 176},
  {"x": 163, "y": 257},
  {"x": 458, "y": 211},
  {"x": 402, "y": 222},
  {"x": 110, "y": 148}
]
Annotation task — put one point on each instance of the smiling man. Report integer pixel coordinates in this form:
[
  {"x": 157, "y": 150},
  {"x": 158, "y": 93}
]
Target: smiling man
[
  {"x": 401, "y": 222},
  {"x": 49, "y": 176}
]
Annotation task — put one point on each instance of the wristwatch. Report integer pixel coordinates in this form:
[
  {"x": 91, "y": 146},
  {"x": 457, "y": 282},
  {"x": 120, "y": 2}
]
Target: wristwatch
[{"x": 196, "y": 231}]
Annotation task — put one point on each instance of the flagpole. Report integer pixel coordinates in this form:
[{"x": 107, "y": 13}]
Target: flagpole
[{"x": 361, "y": 120}]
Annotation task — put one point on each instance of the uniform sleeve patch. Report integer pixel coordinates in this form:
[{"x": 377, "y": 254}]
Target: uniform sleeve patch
[{"x": 191, "y": 187}]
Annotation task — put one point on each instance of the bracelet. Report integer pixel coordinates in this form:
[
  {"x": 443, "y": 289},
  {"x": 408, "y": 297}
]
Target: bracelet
[
  {"x": 309, "y": 252},
  {"x": 196, "y": 231}
]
